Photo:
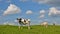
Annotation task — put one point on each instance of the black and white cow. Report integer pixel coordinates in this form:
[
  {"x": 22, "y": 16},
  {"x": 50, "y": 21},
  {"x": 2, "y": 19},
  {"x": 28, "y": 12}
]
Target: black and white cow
[{"x": 24, "y": 22}]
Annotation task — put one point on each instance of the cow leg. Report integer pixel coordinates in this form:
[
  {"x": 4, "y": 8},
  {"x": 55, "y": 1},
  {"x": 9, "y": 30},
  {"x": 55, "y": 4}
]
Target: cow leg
[
  {"x": 46, "y": 25},
  {"x": 19, "y": 27},
  {"x": 29, "y": 25}
]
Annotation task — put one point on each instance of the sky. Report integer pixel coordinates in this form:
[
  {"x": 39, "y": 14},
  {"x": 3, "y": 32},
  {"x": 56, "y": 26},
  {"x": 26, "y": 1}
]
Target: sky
[{"x": 37, "y": 11}]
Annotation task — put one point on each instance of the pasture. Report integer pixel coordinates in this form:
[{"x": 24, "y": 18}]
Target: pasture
[{"x": 35, "y": 29}]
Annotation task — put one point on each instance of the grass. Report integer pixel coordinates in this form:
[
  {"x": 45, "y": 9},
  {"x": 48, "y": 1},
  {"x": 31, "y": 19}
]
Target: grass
[{"x": 36, "y": 29}]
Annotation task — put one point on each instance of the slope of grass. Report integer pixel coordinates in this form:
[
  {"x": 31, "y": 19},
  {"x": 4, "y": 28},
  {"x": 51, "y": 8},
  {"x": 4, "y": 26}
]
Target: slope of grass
[{"x": 36, "y": 29}]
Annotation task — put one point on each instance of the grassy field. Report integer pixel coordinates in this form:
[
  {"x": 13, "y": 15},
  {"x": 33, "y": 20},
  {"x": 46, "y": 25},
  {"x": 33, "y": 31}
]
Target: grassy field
[{"x": 36, "y": 29}]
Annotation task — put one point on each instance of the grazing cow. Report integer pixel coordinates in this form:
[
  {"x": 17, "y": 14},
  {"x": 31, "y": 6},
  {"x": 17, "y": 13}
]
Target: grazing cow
[
  {"x": 45, "y": 24},
  {"x": 54, "y": 24},
  {"x": 24, "y": 22}
]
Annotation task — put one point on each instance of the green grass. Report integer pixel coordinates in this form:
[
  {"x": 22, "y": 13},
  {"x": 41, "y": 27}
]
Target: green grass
[{"x": 36, "y": 29}]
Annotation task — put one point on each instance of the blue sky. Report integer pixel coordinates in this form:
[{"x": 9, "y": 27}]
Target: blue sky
[{"x": 36, "y": 10}]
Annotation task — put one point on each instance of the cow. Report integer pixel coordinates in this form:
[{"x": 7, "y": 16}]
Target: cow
[
  {"x": 54, "y": 24},
  {"x": 45, "y": 24},
  {"x": 22, "y": 21}
]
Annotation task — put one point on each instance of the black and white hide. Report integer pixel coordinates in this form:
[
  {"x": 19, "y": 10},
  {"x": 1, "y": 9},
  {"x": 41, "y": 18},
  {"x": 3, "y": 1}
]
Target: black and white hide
[{"x": 24, "y": 22}]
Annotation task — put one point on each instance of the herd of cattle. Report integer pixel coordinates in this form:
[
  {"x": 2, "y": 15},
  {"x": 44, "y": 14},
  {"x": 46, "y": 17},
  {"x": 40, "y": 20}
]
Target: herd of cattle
[{"x": 22, "y": 21}]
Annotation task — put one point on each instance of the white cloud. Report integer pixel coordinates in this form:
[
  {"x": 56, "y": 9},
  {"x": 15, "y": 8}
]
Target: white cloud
[
  {"x": 41, "y": 16},
  {"x": 29, "y": 12},
  {"x": 53, "y": 11},
  {"x": 24, "y": 0},
  {"x": 12, "y": 9},
  {"x": 41, "y": 1},
  {"x": 49, "y": 2},
  {"x": 42, "y": 11},
  {"x": 8, "y": 23}
]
